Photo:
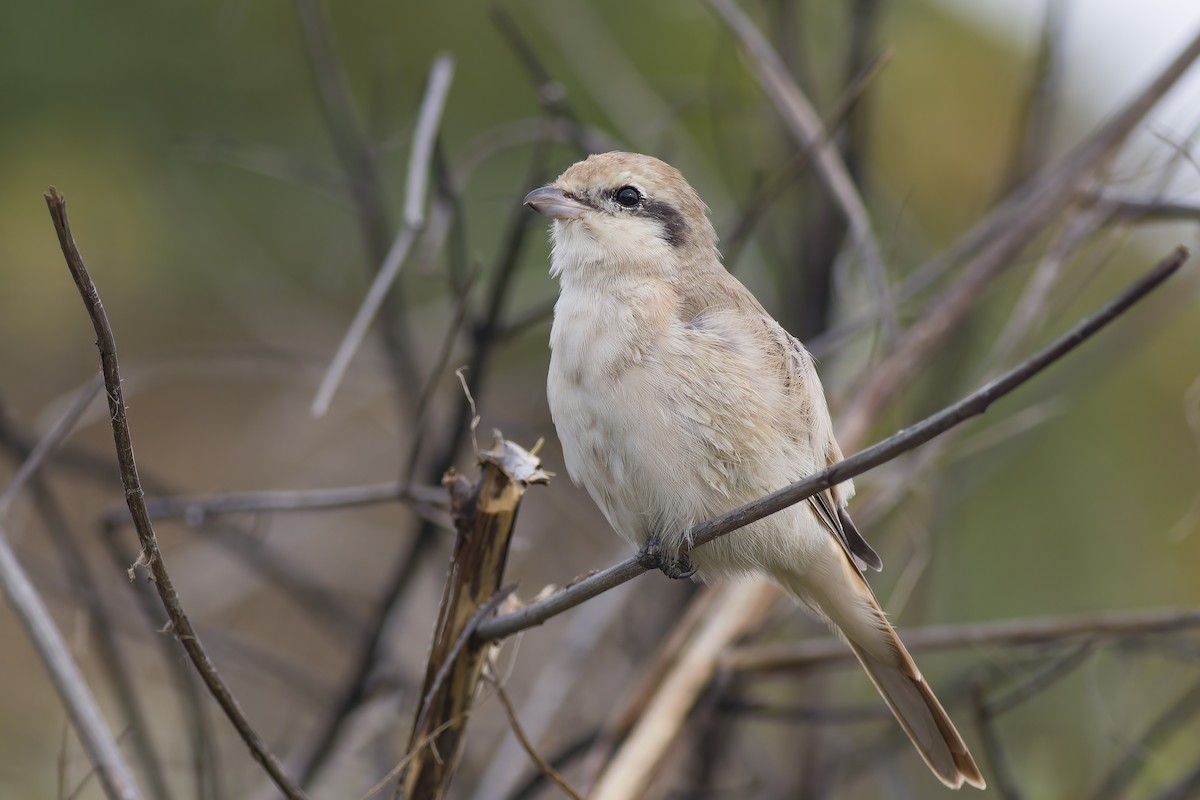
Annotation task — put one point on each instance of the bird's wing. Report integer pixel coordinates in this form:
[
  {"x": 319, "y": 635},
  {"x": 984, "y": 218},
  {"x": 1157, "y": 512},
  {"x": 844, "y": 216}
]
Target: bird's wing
[
  {"x": 732, "y": 318},
  {"x": 840, "y": 525},
  {"x": 802, "y": 377}
]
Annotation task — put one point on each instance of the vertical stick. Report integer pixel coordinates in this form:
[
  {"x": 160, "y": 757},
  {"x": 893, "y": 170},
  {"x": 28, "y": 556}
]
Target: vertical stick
[{"x": 484, "y": 514}]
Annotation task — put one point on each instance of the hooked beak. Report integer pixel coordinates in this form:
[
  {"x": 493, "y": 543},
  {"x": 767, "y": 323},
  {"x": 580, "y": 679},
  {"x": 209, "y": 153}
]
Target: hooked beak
[{"x": 553, "y": 202}]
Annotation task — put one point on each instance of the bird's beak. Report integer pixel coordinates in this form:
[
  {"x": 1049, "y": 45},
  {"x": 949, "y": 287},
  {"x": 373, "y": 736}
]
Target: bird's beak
[{"x": 553, "y": 202}]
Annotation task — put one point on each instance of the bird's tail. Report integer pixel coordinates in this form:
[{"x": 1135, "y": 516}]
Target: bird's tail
[{"x": 848, "y": 604}]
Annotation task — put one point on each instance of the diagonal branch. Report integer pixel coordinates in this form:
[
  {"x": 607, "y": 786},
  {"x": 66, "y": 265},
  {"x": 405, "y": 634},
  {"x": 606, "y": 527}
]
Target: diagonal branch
[
  {"x": 419, "y": 162},
  {"x": 806, "y": 128},
  {"x": 114, "y": 774},
  {"x": 999, "y": 239},
  {"x": 939, "y": 638},
  {"x": 151, "y": 557},
  {"x": 907, "y": 439},
  {"x": 363, "y": 177}
]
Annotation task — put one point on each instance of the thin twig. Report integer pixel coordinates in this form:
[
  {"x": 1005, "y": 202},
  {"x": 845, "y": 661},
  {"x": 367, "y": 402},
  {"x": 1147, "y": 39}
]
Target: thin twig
[
  {"x": 755, "y": 208},
  {"x": 195, "y": 508},
  {"x": 518, "y": 731},
  {"x": 805, "y": 126},
  {"x": 1042, "y": 680},
  {"x": 134, "y": 495},
  {"x": 49, "y": 443},
  {"x": 467, "y": 632},
  {"x": 271, "y": 162},
  {"x": 1175, "y": 717},
  {"x": 121, "y": 675},
  {"x": 1146, "y": 209},
  {"x": 192, "y": 704},
  {"x": 551, "y": 94},
  {"x": 81, "y": 578},
  {"x": 571, "y": 751},
  {"x": 938, "y": 638},
  {"x": 364, "y": 179},
  {"x": 1000, "y": 774},
  {"x": 972, "y": 405},
  {"x": 114, "y": 774},
  {"x": 998, "y": 240},
  {"x": 437, "y": 88},
  {"x": 1036, "y": 114}
]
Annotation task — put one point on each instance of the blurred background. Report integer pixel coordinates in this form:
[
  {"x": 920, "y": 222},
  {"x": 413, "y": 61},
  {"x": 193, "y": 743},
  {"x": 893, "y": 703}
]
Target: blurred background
[{"x": 235, "y": 174}]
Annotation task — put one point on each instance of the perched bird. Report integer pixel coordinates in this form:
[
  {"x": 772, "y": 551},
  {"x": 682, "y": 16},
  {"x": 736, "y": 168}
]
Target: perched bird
[{"x": 677, "y": 397}]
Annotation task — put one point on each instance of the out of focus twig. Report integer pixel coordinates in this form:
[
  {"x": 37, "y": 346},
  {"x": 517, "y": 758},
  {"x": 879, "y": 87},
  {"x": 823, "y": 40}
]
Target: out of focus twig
[
  {"x": 1178, "y": 714},
  {"x": 972, "y": 405},
  {"x": 113, "y": 773},
  {"x": 1005, "y": 234},
  {"x": 420, "y": 157},
  {"x": 1000, "y": 774},
  {"x": 1030, "y": 631},
  {"x": 1037, "y": 112},
  {"x": 754, "y": 209},
  {"x": 151, "y": 557},
  {"x": 363, "y": 177},
  {"x": 195, "y": 508},
  {"x": 541, "y": 763},
  {"x": 48, "y": 443},
  {"x": 805, "y": 126},
  {"x": 627, "y": 774}
]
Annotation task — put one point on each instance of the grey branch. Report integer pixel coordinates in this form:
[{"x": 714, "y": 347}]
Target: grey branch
[
  {"x": 934, "y": 638},
  {"x": 907, "y": 439},
  {"x": 414, "y": 219},
  {"x": 996, "y": 241},
  {"x": 114, "y": 774},
  {"x": 805, "y": 126},
  {"x": 194, "y": 508}
]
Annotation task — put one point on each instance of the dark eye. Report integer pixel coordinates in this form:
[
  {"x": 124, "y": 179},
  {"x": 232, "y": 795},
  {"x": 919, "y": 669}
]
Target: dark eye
[{"x": 628, "y": 196}]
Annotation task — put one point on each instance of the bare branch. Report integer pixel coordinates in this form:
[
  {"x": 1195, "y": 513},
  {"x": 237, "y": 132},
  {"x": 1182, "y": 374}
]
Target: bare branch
[
  {"x": 1147, "y": 209},
  {"x": 541, "y": 763},
  {"x": 755, "y": 208},
  {"x": 134, "y": 495},
  {"x": 484, "y": 514},
  {"x": 194, "y": 508},
  {"x": 972, "y": 405},
  {"x": 1001, "y": 774},
  {"x": 49, "y": 443},
  {"x": 805, "y": 126},
  {"x": 414, "y": 219},
  {"x": 999, "y": 239},
  {"x": 363, "y": 177},
  {"x": 114, "y": 774},
  {"x": 1037, "y": 112},
  {"x": 1178, "y": 714},
  {"x": 629, "y": 772},
  {"x": 937, "y": 638},
  {"x": 119, "y": 670}
]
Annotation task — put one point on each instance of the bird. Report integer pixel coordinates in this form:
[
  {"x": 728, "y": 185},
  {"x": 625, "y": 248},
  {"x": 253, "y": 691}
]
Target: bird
[{"x": 677, "y": 397}]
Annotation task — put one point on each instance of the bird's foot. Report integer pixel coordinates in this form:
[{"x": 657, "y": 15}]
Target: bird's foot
[{"x": 652, "y": 556}]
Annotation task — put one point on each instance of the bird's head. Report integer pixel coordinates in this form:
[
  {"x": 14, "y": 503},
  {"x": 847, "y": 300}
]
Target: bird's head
[{"x": 625, "y": 211}]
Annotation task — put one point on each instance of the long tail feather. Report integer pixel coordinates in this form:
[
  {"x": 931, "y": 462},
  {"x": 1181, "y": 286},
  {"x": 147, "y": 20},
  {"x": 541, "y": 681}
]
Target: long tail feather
[{"x": 845, "y": 600}]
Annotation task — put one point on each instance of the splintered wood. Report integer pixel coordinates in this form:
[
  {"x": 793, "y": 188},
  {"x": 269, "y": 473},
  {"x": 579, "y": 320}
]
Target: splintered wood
[{"x": 484, "y": 514}]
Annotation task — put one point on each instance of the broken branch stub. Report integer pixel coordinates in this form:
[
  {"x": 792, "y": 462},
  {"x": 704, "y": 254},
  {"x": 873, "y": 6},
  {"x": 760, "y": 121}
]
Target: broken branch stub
[{"x": 484, "y": 514}]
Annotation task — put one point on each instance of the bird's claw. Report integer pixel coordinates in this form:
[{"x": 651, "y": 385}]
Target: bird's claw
[{"x": 677, "y": 567}]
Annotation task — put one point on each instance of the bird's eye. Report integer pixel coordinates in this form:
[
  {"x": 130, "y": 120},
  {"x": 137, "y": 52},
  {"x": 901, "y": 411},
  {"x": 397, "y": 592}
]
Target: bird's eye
[{"x": 628, "y": 196}]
